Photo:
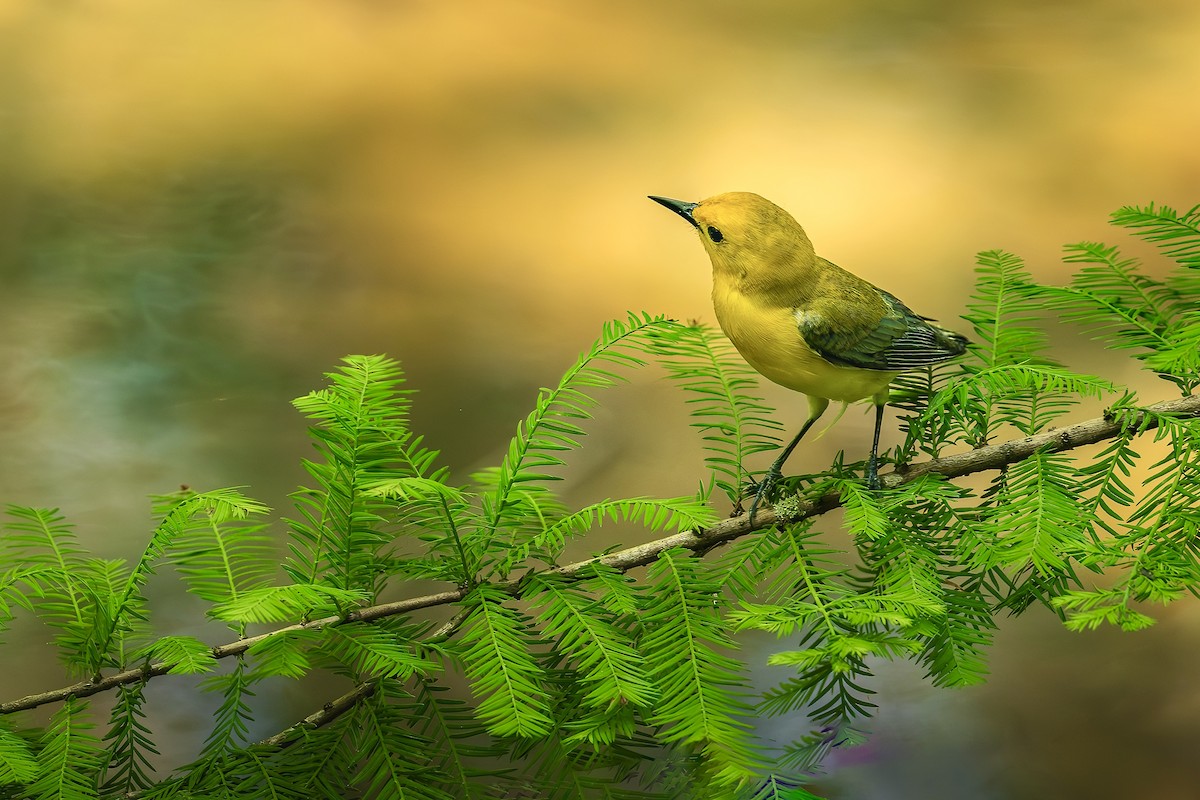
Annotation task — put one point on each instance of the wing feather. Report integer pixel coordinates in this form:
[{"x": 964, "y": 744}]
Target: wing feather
[{"x": 901, "y": 340}]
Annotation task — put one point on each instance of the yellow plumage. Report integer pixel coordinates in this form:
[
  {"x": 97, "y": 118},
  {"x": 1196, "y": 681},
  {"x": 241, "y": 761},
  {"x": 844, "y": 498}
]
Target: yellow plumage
[{"x": 766, "y": 334}]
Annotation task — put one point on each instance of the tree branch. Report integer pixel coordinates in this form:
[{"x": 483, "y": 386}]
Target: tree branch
[
  {"x": 328, "y": 713},
  {"x": 361, "y": 691},
  {"x": 985, "y": 458}
]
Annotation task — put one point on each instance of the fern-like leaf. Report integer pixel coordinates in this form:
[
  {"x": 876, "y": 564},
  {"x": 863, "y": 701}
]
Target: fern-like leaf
[
  {"x": 1037, "y": 519},
  {"x": 361, "y": 434},
  {"x": 955, "y": 651},
  {"x": 287, "y": 603},
  {"x": 372, "y": 651},
  {"x": 1177, "y": 234},
  {"x": 18, "y": 765},
  {"x": 70, "y": 758},
  {"x": 221, "y": 505},
  {"x": 460, "y": 751},
  {"x": 1005, "y": 336},
  {"x": 776, "y": 787},
  {"x": 553, "y": 427},
  {"x": 394, "y": 763},
  {"x": 503, "y": 673},
  {"x": 219, "y": 553},
  {"x": 285, "y": 654},
  {"x": 671, "y": 514},
  {"x": 130, "y": 744},
  {"x": 186, "y": 655},
  {"x": 702, "y": 689},
  {"x": 609, "y": 668},
  {"x": 233, "y": 717},
  {"x": 724, "y": 405}
]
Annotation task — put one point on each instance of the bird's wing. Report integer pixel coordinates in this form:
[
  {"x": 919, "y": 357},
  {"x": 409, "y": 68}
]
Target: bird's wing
[{"x": 900, "y": 340}]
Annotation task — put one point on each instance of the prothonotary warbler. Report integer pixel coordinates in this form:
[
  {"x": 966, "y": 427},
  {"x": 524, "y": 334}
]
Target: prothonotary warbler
[{"x": 804, "y": 322}]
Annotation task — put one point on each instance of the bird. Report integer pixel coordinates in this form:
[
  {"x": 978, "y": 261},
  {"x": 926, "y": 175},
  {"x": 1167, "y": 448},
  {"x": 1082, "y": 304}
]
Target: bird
[{"x": 802, "y": 321}]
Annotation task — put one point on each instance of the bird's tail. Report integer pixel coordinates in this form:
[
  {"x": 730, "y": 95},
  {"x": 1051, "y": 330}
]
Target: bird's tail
[{"x": 952, "y": 341}]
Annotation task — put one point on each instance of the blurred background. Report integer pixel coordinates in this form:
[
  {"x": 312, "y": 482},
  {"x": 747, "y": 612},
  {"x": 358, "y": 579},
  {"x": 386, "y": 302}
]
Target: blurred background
[{"x": 204, "y": 206}]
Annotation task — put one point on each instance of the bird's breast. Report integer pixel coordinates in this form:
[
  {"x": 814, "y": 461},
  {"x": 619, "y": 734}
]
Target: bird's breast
[{"x": 769, "y": 339}]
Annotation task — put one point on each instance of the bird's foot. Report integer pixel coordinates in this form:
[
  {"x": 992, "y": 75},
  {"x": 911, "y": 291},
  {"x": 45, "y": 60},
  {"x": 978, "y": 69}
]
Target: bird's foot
[{"x": 763, "y": 490}]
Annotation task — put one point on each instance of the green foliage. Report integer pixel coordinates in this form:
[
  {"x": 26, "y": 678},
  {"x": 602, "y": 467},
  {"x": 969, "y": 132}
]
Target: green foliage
[
  {"x": 18, "y": 764},
  {"x": 455, "y": 740},
  {"x": 130, "y": 744},
  {"x": 674, "y": 514},
  {"x": 687, "y": 650},
  {"x": 233, "y": 716},
  {"x": 515, "y": 506},
  {"x": 724, "y": 405},
  {"x": 69, "y": 756},
  {"x": 284, "y": 603},
  {"x": 393, "y": 761},
  {"x": 286, "y": 654},
  {"x": 385, "y": 650},
  {"x": 1157, "y": 319},
  {"x": 360, "y": 431},
  {"x": 220, "y": 554},
  {"x": 503, "y": 672},
  {"x": 183, "y": 655},
  {"x": 606, "y": 665},
  {"x": 55, "y": 579},
  {"x": 595, "y": 680}
]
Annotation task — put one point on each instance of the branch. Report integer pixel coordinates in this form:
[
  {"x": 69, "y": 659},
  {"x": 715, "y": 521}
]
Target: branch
[
  {"x": 985, "y": 458},
  {"x": 328, "y": 713},
  {"x": 361, "y": 691}
]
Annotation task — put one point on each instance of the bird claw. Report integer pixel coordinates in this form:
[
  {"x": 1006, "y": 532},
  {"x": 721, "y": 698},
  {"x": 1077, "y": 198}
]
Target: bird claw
[
  {"x": 873, "y": 482},
  {"x": 763, "y": 489}
]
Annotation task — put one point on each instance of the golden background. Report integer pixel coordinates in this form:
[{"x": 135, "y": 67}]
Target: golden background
[{"x": 204, "y": 205}]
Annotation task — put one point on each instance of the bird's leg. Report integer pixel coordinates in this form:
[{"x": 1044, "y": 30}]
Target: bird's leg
[
  {"x": 776, "y": 471},
  {"x": 873, "y": 464}
]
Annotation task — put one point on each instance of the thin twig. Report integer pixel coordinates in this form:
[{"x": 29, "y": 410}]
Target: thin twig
[
  {"x": 985, "y": 458},
  {"x": 327, "y": 714},
  {"x": 335, "y": 708}
]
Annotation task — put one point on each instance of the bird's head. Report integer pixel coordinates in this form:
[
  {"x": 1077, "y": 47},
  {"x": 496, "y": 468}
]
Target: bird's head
[{"x": 747, "y": 236}]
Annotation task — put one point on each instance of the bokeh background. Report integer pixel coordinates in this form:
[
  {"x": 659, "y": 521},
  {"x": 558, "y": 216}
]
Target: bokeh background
[{"x": 203, "y": 206}]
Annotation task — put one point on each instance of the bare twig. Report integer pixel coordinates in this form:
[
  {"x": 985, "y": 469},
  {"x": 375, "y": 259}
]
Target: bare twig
[
  {"x": 985, "y": 458},
  {"x": 327, "y": 714},
  {"x": 335, "y": 708}
]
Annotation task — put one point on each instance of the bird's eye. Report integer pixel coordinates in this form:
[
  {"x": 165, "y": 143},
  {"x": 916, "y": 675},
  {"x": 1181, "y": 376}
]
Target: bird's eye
[{"x": 715, "y": 234}]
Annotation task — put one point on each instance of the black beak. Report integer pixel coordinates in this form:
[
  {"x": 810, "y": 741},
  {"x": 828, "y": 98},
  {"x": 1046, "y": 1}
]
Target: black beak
[{"x": 679, "y": 207}]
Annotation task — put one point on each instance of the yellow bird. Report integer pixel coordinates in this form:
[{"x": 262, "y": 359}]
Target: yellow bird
[{"x": 804, "y": 322}]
